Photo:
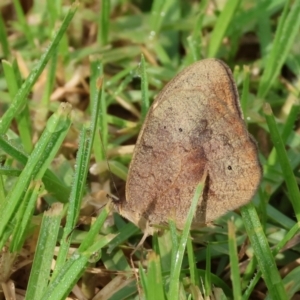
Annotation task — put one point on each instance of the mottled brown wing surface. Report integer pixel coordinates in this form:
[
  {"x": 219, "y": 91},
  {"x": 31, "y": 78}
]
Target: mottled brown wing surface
[
  {"x": 211, "y": 75},
  {"x": 190, "y": 128}
]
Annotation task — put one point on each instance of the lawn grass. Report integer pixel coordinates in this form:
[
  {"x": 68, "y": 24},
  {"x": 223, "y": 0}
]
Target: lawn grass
[{"x": 76, "y": 83}]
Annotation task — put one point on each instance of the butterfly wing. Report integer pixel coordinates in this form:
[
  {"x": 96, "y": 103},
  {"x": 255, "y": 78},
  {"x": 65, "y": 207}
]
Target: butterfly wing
[{"x": 191, "y": 127}]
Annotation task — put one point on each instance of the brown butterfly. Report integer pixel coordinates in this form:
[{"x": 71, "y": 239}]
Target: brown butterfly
[{"x": 194, "y": 124}]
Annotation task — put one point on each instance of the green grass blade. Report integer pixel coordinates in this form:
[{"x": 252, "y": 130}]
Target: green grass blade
[
  {"x": 20, "y": 98},
  {"x": 2, "y": 188},
  {"x": 67, "y": 278},
  {"x": 192, "y": 263},
  {"x": 3, "y": 39},
  {"x": 288, "y": 237},
  {"x": 250, "y": 279},
  {"x": 103, "y": 123},
  {"x": 195, "y": 39},
  {"x": 53, "y": 11},
  {"x": 24, "y": 216},
  {"x": 125, "y": 232},
  {"x": 116, "y": 260},
  {"x": 234, "y": 263},
  {"x": 284, "y": 161},
  {"x": 95, "y": 96},
  {"x": 82, "y": 163},
  {"x": 207, "y": 278},
  {"x": 91, "y": 237},
  {"x": 263, "y": 253},
  {"x": 245, "y": 93},
  {"x": 41, "y": 267},
  {"x": 74, "y": 267},
  {"x": 157, "y": 14},
  {"x": 53, "y": 184},
  {"x": 154, "y": 278},
  {"x": 143, "y": 279},
  {"x": 50, "y": 80},
  {"x": 38, "y": 162},
  {"x": 292, "y": 283},
  {"x": 103, "y": 27},
  {"x": 221, "y": 26},
  {"x": 118, "y": 169},
  {"x": 22, "y": 21},
  {"x": 74, "y": 202},
  {"x": 144, "y": 89},
  {"x": 174, "y": 276},
  {"x": 286, "y": 131},
  {"x": 264, "y": 33},
  {"x": 286, "y": 33},
  {"x": 217, "y": 281},
  {"x": 13, "y": 79}
]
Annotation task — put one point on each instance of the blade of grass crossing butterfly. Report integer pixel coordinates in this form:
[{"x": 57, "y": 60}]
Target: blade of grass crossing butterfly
[{"x": 175, "y": 271}]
